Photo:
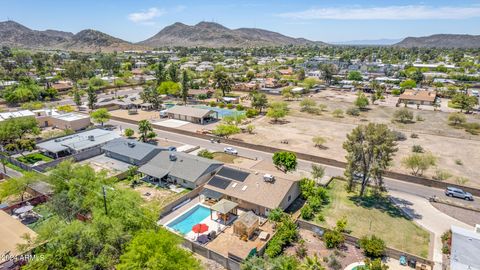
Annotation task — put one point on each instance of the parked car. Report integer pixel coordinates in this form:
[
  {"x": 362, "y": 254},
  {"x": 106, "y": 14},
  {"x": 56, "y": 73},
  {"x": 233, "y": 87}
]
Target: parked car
[
  {"x": 230, "y": 150},
  {"x": 459, "y": 193}
]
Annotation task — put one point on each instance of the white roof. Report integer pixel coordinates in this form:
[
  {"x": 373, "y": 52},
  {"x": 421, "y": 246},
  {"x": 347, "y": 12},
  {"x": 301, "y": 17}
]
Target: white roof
[
  {"x": 9, "y": 115},
  {"x": 465, "y": 249},
  {"x": 70, "y": 116}
]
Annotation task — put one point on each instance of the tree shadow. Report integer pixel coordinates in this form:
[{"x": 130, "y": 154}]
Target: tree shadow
[
  {"x": 279, "y": 122},
  {"x": 384, "y": 204}
]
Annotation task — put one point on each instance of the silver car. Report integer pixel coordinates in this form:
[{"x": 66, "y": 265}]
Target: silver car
[{"x": 459, "y": 193}]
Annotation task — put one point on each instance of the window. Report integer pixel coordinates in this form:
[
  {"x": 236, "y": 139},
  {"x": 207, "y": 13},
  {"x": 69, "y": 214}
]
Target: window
[{"x": 289, "y": 197}]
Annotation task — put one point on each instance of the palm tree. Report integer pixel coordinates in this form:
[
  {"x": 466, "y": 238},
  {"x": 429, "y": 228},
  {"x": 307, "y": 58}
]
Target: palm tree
[
  {"x": 312, "y": 263},
  {"x": 144, "y": 127}
]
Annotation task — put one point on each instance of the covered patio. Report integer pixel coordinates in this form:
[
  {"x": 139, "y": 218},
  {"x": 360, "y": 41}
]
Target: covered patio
[{"x": 224, "y": 208}]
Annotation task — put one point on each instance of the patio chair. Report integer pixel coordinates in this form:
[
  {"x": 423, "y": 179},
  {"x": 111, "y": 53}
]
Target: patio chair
[
  {"x": 403, "y": 260},
  {"x": 212, "y": 235}
]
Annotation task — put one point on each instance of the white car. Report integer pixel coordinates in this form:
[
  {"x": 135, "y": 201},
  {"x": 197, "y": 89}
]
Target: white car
[{"x": 230, "y": 150}]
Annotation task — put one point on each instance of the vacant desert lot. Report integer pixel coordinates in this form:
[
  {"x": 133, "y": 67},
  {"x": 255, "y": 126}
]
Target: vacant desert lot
[{"x": 458, "y": 152}]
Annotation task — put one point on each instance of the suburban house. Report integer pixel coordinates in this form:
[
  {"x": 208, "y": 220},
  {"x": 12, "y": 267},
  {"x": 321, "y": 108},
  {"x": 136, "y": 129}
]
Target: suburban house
[
  {"x": 465, "y": 248},
  {"x": 51, "y": 118},
  {"x": 191, "y": 114},
  {"x": 62, "y": 86},
  {"x": 418, "y": 97},
  {"x": 180, "y": 168},
  {"x": 131, "y": 151},
  {"x": 88, "y": 142},
  {"x": 12, "y": 233},
  {"x": 256, "y": 192}
]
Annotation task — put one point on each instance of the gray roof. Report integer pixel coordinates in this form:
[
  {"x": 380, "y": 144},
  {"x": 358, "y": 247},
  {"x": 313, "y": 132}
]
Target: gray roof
[
  {"x": 132, "y": 148},
  {"x": 465, "y": 249},
  {"x": 224, "y": 206},
  {"x": 79, "y": 141},
  {"x": 190, "y": 111},
  {"x": 186, "y": 166}
]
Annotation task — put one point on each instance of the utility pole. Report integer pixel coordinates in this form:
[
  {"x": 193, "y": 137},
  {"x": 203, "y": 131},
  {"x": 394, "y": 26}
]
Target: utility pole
[{"x": 105, "y": 200}]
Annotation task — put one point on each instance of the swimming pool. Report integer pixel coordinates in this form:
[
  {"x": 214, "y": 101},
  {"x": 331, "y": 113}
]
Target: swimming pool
[
  {"x": 221, "y": 112},
  {"x": 187, "y": 220}
]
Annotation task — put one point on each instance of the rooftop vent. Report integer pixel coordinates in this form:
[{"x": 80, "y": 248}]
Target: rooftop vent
[
  {"x": 172, "y": 157},
  {"x": 131, "y": 144},
  {"x": 91, "y": 138},
  {"x": 268, "y": 178}
]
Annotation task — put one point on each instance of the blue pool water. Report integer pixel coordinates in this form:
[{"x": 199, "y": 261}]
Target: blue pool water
[
  {"x": 221, "y": 112},
  {"x": 185, "y": 222}
]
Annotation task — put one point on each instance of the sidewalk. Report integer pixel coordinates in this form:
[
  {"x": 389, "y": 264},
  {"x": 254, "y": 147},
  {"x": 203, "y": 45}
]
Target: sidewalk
[{"x": 430, "y": 218}]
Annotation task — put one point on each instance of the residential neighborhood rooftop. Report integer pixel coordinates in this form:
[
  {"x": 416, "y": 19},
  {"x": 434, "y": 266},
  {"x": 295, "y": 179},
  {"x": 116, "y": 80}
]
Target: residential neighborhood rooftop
[{"x": 79, "y": 141}]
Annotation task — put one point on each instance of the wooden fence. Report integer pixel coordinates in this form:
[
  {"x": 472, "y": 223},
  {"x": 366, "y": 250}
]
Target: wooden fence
[{"x": 228, "y": 263}]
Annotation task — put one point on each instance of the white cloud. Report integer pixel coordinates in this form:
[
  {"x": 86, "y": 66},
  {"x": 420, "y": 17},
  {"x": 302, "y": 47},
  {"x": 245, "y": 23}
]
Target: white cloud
[
  {"x": 146, "y": 16},
  {"x": 409, "y": 12}
]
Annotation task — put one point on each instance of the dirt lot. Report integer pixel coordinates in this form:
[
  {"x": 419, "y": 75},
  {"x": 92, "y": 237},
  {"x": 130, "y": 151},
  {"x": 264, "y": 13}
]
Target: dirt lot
[{"x": 434, "y": 134}]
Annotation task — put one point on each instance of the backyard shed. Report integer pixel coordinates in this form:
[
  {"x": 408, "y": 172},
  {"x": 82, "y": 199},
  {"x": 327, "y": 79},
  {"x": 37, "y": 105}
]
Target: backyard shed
[{"x": 246, "y": 224}]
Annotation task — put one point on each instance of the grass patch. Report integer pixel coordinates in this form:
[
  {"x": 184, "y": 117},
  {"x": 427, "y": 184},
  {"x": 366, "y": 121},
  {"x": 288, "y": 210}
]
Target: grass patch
[
  {"x": 15, "y": 167},
  {"x": 375, "y": 215},
  {"x": 34, "y": 158},
  {"x": 224, "y": 157},
  {"x": 453, "y": 105}
]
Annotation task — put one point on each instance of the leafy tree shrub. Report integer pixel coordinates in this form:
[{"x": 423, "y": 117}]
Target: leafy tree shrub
[
  {"x": 307, "y": 212},
  {"x": 414, "y": 136},
  {"x": 338, "y": 113},
  {"x": 221, "y": 105},
  {"x": 399, "y": 136},
  {"x": 128, "y": 132},
  {"x": 250, "y": 128},
  {"x": 417, "y": 148},
  {"x": 362, "y": 101},
  {"x": 419, "y": 163},
  {"x": 372, "y": 246},
  {"x": 319, "y": 141},
  {"x": 250, "y": 113},
  {"x": 353, "y": 111},
  {"x": 442, "y": 175},
  {"x": 457, "y": 119},
  {"x": 240, "y": 107},
  {"x": 205, "y": 154},
  {"x": 403, "y": 115},
  {"x": 333, "y": 239},
  {"x": 212, "y": 104},
  {"x": 472, "y": 128},
  {"x": 286, "y": 161},
  {"x": 230, "y": 106}
]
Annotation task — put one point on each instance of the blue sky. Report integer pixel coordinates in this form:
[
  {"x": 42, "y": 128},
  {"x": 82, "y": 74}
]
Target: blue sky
[{"x": 340, "y": 20}]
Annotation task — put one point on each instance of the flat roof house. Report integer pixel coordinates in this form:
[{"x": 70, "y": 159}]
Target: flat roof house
[
  {"x": 191, "y": 114},
  {"x": 77, "y": 143},
  {"x": 131, "y": 151},
  {"x": 180, "y": 168},
  {"x": 465, "y": 249},
  {"x": 252, "y": 191},
  {"x": 51, "y": 118},
  {"x": 418, "y": 97}
]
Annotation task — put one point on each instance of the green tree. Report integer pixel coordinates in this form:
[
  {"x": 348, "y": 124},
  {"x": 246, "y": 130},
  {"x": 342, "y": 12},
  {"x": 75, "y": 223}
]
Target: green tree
[
  {"x": 100, "y": 116},
  {"x": 129, "y": 132},
  {"x": 285, "y": 161},
  {"x": 370, "y": 149},
  {"x": 301, "y": 75},
  {"x": 308, "y": 105},
  {"x": 169, "y": 88},
  {"x": 14, "y": 129},
  {"x": 259, "y": 101},
  {"x": 408, "y": 84},
  {"x": 465, "y": 102},
  {"x": 403, "y": 115},
  {"x": 173, "y": 73},
  {"x": 328, "y": 70},
  {"x": 419, "y": 162},
  {"x": 277, "y": 110},
  {"x": 362, "y": 101},
  {"x": 372, "y": 246},
  {"x": 317, "y": 172},
  {"x": 144, "y": 128},
  {"x": 333, "y": 238},
  {"x": 319, "y": 141},
  {"x": 18, "y": 186},
  {"x": 375, "y": 264},
  {"x": 355, "y": 76},
  {"x": 312, "y": 263},
  {"x": 151, "y": 95},
  {"x": 222, "y": 80},
  {"x": 77, "y": 97},
  {"x": 91, "y": 98},
  {"x": 338, "y": 113},
  {"x": 225, "y": 130},
  {"x": 156, "y": 249},
  {"x": 160, "y": 73},
  {"x": 185, "y": 86},
  {"x": 287, "y": 93}
]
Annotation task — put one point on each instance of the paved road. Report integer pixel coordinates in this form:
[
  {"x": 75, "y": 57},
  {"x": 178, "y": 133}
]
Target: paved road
[{"x": 394, "y": 185}]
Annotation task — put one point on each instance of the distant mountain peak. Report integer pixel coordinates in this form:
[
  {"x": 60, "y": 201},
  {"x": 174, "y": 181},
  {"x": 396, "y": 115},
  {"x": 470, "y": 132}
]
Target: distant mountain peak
[{"x": 441, "y": 41}]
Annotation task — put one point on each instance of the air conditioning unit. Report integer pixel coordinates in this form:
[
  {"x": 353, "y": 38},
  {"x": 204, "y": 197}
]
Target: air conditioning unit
[
  {"x": 172, "y": 157},
  {"x": 131, "y": 144},
  {"x": 91, "y": 138},
  {"x": 477, "y": 228},
  {"x": 268, "y": 178}
]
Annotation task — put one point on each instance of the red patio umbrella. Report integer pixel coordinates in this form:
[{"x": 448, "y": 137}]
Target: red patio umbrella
[{"x": 200, "y": 228}]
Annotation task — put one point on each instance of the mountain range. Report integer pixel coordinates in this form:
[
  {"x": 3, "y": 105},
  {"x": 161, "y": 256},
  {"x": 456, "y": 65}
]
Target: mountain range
[{"x": 203, "y": 34}]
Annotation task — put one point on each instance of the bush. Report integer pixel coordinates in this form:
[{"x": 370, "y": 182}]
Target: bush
[
  {"x": 205, "y": 154},
  {"x": 399, "y": 136},
  {"x": 240, "y": 107},
  {"x": 373, "y": 246},
  {"x": 441, "y": 175},
  {"x": 456, "y": 119},
  {"x": 417, "y": 149},
  {"x": 403, "y": 115},
  {"x": 420, "y": 118},
  {"x": 230, "y": 106},
  {"x": 212, "y": 104},
  {"x": 307, "y": 212},
  {"x": 333, "y": 239},
  {"x": 338, "y": 113},
  {"x": 353, "y": 111},
  {"x": 396, "y": 92},
  {"x": 250, "y": 113},
  {"x": 129, "y": 132},
  {"x": 221, "y": 105},
  {"x": 472, "y": 128},
  {"x": 414, "y": 136}
]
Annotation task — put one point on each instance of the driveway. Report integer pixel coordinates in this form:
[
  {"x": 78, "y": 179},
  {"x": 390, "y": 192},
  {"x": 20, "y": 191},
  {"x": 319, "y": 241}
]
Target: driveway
[{"x": 430, "y": 218}]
